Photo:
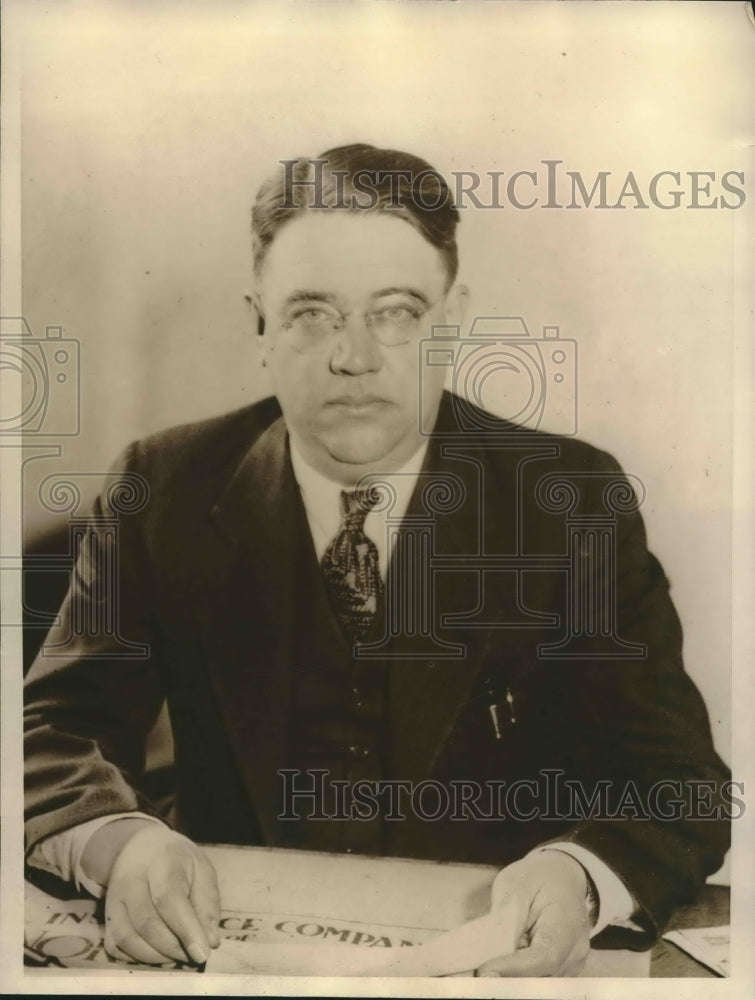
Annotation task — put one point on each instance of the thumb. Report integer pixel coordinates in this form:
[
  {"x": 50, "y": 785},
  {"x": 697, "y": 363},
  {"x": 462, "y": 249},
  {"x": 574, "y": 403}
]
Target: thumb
[
  {"x": 510, "y": 881},
  {"x": 510, "y": 892}
]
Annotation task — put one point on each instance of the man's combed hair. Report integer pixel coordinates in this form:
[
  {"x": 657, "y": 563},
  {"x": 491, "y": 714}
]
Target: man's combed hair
[{"x": 358, "y": 178}]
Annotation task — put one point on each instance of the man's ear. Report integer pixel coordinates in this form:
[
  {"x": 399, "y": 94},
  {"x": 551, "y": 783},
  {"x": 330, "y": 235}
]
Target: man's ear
[
  {"x": 457, "y": 302},
  {"x": 257, "y": 324},
  {"x": 257, "y": 320}
]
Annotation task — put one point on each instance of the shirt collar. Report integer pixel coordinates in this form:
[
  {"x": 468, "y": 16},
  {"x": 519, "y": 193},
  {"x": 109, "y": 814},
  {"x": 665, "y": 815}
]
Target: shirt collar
[{"x": 322, "y": 495}]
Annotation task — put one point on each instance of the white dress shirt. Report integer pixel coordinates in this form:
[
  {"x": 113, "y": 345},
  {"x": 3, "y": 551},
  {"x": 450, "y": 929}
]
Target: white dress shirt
[
  {"x": 61, "y": 853},
  {"x": 322, "y": 501}
]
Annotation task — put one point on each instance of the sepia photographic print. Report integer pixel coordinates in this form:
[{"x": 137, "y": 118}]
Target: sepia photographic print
[{"x": 377, "y": 498}]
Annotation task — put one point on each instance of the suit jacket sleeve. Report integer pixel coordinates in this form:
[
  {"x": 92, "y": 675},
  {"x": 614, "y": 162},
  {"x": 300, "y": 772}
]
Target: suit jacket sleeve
[
  {"x": 645, "y": 725},
  {"x": 90, "y": 700}
]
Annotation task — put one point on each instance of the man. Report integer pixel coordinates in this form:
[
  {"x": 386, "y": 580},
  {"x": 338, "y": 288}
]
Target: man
[{"x": 297, "y": 632}]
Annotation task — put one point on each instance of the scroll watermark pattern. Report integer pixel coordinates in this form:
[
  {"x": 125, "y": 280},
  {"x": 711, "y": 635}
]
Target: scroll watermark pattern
[{"x": 93, "y": 607}]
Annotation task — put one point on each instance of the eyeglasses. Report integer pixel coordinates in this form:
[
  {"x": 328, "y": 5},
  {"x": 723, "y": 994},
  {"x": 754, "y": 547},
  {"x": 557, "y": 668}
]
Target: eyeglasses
[{"x": 312, "y": 328}]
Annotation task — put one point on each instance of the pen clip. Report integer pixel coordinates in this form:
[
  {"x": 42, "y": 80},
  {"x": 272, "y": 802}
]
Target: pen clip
[
  {"x": 510, "y": 700},
  {"x": 493, "y": 709}
]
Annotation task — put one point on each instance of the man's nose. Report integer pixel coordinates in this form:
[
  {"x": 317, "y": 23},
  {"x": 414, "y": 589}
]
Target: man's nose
[{"x": 356, "y": 351}]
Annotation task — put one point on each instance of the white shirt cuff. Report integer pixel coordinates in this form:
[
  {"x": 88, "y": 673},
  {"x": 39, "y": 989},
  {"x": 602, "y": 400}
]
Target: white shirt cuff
[
  {"x": 615, "y": 902},
  {"x": 61, "y": 853}
]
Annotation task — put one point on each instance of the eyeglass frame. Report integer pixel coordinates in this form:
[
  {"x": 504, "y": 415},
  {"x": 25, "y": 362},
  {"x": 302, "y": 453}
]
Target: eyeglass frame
[{"x": 369, "y": 321}]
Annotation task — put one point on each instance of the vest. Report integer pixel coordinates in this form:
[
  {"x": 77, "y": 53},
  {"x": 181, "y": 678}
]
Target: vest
[{"x": 339, "y": 729}]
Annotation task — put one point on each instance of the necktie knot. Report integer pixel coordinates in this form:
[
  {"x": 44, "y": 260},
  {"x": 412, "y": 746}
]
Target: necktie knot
[{"x": 355, "y": 506}]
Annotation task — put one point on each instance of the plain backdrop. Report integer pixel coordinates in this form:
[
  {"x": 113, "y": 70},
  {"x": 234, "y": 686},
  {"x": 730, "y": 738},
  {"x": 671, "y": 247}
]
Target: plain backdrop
[{"x": 146, "y": 130}]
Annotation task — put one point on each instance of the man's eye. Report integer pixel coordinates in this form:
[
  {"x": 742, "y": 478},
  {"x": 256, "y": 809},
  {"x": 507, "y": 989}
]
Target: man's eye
[
  {"x": 398, "y": 314},
  {"x": 311, "y": 315}
]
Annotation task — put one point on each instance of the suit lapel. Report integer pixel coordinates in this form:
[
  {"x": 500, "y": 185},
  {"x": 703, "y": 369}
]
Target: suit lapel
[
  {"x": 427, "y": 694},
  {"x": 249, "y": 611}
]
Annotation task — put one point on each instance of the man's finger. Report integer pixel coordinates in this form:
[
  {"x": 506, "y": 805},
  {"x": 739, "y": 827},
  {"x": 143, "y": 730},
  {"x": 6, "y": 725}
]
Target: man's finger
[
  {"x": 556, "y": 934},
  {"x": 205, "y": 898},
  {"x": 114, "y": 951},
  {"x": 575, "y": 963},
  {"x": 536, "y": 961},
  {"x": 178, "y": 913},
  {"x": 128, "y": 902},
  {"x": 130, "y": 945},
  {"x": 150, "y": 926},
  {"x": 123, "y": 941}
]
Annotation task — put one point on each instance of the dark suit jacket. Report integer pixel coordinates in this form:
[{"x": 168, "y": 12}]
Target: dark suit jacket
[{"x": 206, "y": 579}]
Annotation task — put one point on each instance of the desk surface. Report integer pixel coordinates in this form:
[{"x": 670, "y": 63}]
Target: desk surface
[
  {"x": 409, "y": 899},
  {"x": 711, "y": 909}
]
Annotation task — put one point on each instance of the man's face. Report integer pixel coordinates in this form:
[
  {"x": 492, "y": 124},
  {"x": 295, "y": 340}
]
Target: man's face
[{"x": 353, "y": 403}]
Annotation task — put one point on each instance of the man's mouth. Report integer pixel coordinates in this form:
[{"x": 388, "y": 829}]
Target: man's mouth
[{"x": 358, "y": 404}]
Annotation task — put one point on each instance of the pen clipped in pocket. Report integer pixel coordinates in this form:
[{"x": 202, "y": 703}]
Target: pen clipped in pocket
[{"x": 501, "y": 708}]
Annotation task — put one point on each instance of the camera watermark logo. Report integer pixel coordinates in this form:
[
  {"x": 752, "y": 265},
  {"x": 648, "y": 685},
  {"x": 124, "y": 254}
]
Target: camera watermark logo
[
  {"x": 49, "y": 370},
  {"x": 501, "y": 371},
  {"x": 505, "y": 385}
]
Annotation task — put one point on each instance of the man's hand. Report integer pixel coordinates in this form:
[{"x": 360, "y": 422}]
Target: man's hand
[
  {"x": 162, "y": 899},
  {"x": 546, "y": 893}
]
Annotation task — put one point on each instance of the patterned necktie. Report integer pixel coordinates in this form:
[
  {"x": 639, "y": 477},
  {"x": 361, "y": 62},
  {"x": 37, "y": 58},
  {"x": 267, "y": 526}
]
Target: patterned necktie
[{"x": 350, "y": 566}]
